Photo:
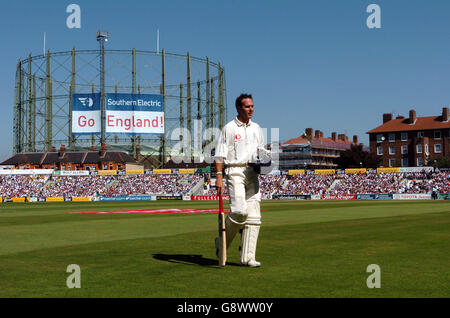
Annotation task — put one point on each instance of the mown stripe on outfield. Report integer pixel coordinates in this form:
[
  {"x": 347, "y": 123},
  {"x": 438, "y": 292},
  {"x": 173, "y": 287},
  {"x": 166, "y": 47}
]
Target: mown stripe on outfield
[{"x": 327, "y": 259}]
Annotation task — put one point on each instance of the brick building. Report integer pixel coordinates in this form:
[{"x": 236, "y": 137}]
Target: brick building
[
  {"x": 313, "y": 151},
  {"x": 412, "y": 141},
  {"x": 64, "y": 160}
]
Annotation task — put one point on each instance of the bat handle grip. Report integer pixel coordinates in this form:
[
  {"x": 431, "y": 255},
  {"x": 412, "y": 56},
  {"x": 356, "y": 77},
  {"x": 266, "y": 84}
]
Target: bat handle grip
[{"x": 220, "y": 203}]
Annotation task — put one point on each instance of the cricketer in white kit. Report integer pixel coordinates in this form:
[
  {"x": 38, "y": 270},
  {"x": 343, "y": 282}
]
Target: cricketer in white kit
[{"x": 237, "y": 151}]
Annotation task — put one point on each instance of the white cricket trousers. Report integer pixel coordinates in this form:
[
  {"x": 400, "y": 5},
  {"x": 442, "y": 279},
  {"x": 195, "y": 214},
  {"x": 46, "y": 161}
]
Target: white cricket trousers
[{"x": 245, "y": 199}]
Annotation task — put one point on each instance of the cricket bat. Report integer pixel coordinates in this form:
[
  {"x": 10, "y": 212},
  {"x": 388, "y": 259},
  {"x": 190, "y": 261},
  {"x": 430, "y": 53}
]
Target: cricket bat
[{"x": 222, "y": 234}]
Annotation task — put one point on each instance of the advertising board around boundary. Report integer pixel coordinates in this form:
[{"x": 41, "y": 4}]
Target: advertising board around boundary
[
  {"x": 338, "y": 196},
  {"x": 208, "y": 197},
  {"x": 166, "y": 197},
  {"x": 377, "y": 196},
  {"x": 81, "y": 199},
  {"x": 412, "y": 196},
  {"x": 127, "y": 198},
  {"x": 291, "y": 197},
  {"x": 443, "y": 196},
  {"x": 54, "y": 199}
]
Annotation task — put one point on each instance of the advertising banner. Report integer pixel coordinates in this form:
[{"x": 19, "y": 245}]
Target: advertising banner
[
  {"x": 54, "y": 199},
  {"x": 18, "y": 200},
  {"x": 135, "y": 172},
  {"x": 162, "y": 171},
  {"x": 291, "y": 197},
  {"x": 293, "y": 172},
  {"x": 387, "y": 170},
  {"x": 127, "y": 198},
  {"x": 416, "y": 169},
  {"x": 163, "y": 197},
  {"x": 357, "y": 170},
  {"x": 338, "y": 196},
  {"x": 324, "y": 171},
  {"x": 134, "y": 114},
  {"x": 185, "y": 171},
  {"x": 417, "y": 196},
  {"x": 378, "y": 196},
  {"x": 208, "y": 197},
  {"x": 443, "y": 196},
  {"x": 81, "y": 199},
  {"x": 86, "y": 114},
  {"x": 107, "y": 172},
  {"x": 25, "y": 171},
  {"x": 71, "y": 173}
]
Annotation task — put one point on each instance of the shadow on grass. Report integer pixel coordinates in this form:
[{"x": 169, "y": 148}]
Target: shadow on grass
[{"x": 190, "y": 259}]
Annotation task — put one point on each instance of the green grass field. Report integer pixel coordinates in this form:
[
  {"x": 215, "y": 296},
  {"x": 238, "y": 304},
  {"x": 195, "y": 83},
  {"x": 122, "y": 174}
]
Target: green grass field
[{"x": 307, "y": 249}]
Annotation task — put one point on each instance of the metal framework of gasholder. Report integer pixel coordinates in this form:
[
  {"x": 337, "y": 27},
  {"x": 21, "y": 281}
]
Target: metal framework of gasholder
[{"x": 193, "y": 90}]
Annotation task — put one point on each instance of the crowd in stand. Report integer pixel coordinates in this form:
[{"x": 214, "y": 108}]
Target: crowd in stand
[
  {"x": 153, "y": 184},
  {"x": 125, "y": 185},
  {"x": 21, "y": 185},
  {"x": 87, "y": 186},
  {"x": 367, "y": 183}
]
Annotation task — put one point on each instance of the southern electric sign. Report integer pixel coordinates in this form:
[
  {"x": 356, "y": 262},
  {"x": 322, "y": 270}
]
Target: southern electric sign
[{"x": 125, "y": 114}]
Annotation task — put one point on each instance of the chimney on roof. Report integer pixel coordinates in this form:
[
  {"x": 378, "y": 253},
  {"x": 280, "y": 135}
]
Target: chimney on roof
[
  {"x": 386, "y": 118},
  {"x": 445, "y": 114},
  {"x": 62, "y": 151},
  {"x": 333, "y": 136},
  {"x": 309, "y": 132},
  {"x": 412, "y": 116},
  {"x": 53, "y": 149},
  {"x": 321, "y": 133},
  {"x": 355, "y": 139},
  {"x": 138, "y": 152},
  {"x": 102, "y": 150},
  {"x": 341, "y": 137},
  {"x": 317, "y": 134}
]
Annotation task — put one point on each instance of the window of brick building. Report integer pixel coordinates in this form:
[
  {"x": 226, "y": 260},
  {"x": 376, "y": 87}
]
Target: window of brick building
[
  {"x": 404, "y": 136},
  {"x": 379, "y": 151},
  {"x": 391, "y": 137},
  {"x": 391, "y": 162},
  {"x": 437, "y": 134},
  {"x": 404, "y": 150},
  {"x": 419, "y": 148},
  {"x": 391, "y": 150},
  {"x": 419, "y": 162},
  {"x": 437, "y": 148},
  {"x": 405, "y": 162}
]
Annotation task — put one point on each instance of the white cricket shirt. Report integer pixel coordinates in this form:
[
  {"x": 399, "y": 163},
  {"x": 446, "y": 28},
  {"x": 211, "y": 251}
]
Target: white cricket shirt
[{"x": 238, "y": 143}]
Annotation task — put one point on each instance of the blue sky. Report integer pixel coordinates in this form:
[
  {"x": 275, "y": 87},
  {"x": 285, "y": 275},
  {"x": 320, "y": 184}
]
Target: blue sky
[{"x": 311, "y": 63}]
